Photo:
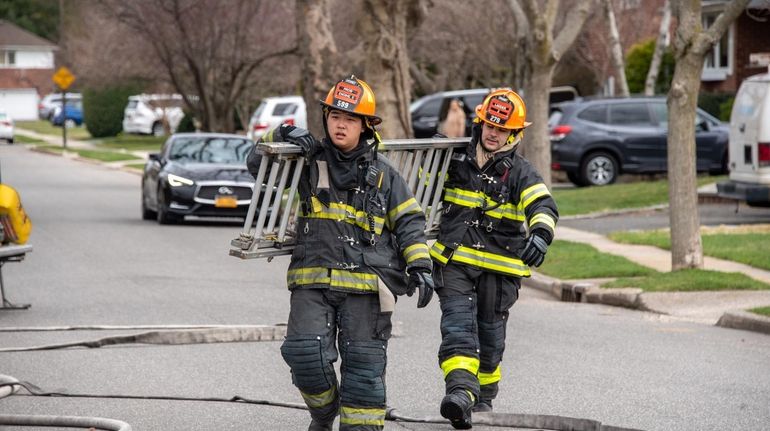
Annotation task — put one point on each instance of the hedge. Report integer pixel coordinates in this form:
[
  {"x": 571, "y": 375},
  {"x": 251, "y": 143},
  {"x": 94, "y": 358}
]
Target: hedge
[{"x": 103, "y": 108}]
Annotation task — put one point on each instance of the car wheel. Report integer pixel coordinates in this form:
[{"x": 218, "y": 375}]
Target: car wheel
[
  {"x": 575, "y": 179},
  {"x": 599, "y": 169},
  {"x": 157, "y": 129},
  {"x": 69, "y": 123},
  {"x": 163, "y": 215},
  {"x": 147, "y": 214}
]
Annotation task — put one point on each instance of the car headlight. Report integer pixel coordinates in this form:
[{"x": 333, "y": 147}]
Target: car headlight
[{"x": 176, "y": 181}]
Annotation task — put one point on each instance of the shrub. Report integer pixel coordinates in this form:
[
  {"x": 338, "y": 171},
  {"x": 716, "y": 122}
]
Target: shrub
[
  {"x": 715, "y": 103},
  {"x": 186, "y": 125},
  {"x": 638, "y": 64},
  {"x": 103, "y": 108}
]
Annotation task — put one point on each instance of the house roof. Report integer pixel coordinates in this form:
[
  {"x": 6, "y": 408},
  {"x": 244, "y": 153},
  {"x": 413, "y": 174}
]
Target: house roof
[{"x": 13, "y": 35}]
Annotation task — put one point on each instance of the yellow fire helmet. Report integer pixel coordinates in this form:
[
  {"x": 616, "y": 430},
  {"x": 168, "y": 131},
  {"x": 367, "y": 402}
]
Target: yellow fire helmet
[
  {"x": 503, "y": 108},
  {"x": 354, "y": 96}
]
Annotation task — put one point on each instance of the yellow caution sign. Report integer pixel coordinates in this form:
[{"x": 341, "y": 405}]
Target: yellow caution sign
[{"x": 63, "y": 78}]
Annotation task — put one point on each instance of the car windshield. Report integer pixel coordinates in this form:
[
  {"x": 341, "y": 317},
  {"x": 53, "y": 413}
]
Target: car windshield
[{"x": 210, "y": 150}]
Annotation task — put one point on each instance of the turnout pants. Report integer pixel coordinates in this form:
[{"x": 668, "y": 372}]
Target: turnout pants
[
  {"x": 474, "y": 312},
  {"x": 324, "y": 324}
]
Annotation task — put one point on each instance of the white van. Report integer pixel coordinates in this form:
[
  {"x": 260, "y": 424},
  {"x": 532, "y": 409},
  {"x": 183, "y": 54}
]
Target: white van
[
  {"x": 274, "y": 111},
  {"x": 749, "y": 152},
  {"x": 144, "y": 113}
]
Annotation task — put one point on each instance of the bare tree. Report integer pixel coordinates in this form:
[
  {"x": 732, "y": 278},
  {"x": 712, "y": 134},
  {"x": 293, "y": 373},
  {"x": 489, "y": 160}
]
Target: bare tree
[
  {"x": 383, "y": 27},
  {"x": 691, "y": 43},
  {"x": 546, "y": 49},
  {"x": 660, "y": 48},
  {"x": 319, "y": 56},
  {"x": 206, "y": 48},
  {"x": 616, "y": 50}
]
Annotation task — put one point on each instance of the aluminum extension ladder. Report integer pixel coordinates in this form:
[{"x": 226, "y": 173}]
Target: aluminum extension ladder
[{"x": 274, "y": 232}]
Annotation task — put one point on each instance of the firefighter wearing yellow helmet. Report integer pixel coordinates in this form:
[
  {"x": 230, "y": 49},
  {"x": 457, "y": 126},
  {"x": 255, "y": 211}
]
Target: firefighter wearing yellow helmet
[
  {"x": 499, "y": 218},
  {"x": 360, "y": 240}
]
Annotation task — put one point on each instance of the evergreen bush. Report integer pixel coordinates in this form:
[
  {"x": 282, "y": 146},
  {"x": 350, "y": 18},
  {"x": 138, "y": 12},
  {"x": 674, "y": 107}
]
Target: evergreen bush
[
  {"x": 638, "y": 64},
  {"x": 103, "y": 108}
]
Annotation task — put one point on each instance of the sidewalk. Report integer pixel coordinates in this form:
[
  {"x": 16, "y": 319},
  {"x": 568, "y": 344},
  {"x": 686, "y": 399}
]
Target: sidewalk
[{"x": 723, "y": 308}]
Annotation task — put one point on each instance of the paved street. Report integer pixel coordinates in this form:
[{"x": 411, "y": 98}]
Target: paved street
[{"x": 95, "y": 262}]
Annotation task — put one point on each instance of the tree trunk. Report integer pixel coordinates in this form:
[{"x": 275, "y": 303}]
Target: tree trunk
[
  {"x": 691, "y": 44},
  {"x": 660, "y": 48},
  {"x": 537, "y": 145},
  {"x": 319, "y": 56},
  {"x": 616, "y": 50},
  {"x": 386, "y": 67}
]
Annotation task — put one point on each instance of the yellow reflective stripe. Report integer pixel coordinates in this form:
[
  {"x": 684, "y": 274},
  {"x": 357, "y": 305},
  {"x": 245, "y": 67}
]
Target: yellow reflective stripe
[
  {"x": 530, "y": 194},
  {"x": 319, "y": 400},
  {"x": 345, "y": 213},
  {"x": 464, "y": 197},
  {"x": 416, "y": 251},
  {"x": 409, "y": 206},
  {"x": 480, "y": 200},
  {"x": 436, "y": 252},
  {"x": 509, "y": 211},
  {"x": 460, "y": 363},
  {"x": 312, "y": 275},
  {"x": 362, "y": 416},
  {"x": 544, "y": 219},
  {"x": 354, "y": 280},
  {"x": 489, "y": 378},
  {"x": 491, "y": 261}
]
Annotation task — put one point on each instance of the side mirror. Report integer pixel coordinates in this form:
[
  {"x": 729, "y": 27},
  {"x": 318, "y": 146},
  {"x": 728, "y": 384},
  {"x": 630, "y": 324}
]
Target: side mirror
[
  {"x": 154, "y": 157},
  {"x": 702, "y": 126}
]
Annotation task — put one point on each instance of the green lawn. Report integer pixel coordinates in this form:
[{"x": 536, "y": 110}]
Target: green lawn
[
  {"x": 105, "y": 156},
  {"x": 138, "y": 166},
  {"x": 749, "y": 248},
  {"x": 46, "y": 128},
  {"x": 586, "y": 200},
  {"x": 765, "y": 311},
  {"x": 21, "y": 139},
  {"x": 571, "y": 260},
  {"x": 131, "y": 142},
  {"x": 690, "y": 280}
]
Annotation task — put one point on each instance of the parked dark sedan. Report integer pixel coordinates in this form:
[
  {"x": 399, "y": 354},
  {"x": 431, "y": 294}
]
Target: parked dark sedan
[
  {"x": 197, "y": 174},
  {"x": 594, "y": 141}
]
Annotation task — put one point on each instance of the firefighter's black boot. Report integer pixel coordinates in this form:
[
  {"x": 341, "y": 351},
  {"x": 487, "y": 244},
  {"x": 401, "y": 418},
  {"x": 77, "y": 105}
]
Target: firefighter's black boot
[
  {"x": 318, "y": 426},
  {"x": 456, "y": 407},
  {"x": 484, "y": 406}
]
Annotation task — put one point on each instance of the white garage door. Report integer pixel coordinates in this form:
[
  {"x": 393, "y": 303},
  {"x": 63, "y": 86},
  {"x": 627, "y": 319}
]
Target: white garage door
[{"x": 20, "y": 104}]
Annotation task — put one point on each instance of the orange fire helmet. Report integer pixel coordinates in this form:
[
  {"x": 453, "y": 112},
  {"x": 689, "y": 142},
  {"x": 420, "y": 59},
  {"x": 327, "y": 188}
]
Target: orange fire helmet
[
  {"x": 354, "y": 96},
  {"x": 503, "y": 108}
]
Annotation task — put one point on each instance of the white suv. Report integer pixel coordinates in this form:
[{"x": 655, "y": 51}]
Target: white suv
[
  {"x": 277, "y": 110},
  {"x": 144, "y": 113}
]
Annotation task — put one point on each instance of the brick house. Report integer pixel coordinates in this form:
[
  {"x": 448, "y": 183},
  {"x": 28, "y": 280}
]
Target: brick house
[
  {"x": 26, "y": 68},
  {"x": 588, "y": 65}
]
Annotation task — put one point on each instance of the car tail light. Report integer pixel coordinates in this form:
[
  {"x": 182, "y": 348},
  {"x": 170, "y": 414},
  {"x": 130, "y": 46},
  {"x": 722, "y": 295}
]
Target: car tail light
[
  {"x": 261, "y": 126},
  {"x": 560, "y": 132},
  {"x": 289, "y": 121},
  {"x": 6, "y": 123},
  {"x": 763, "y": 150},
  {"x": 556, "y": 166}
]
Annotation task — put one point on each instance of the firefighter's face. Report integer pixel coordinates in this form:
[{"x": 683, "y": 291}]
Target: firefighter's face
[
  {"x": 493, "y": 138},
  {"x": 344, "y": 129}
]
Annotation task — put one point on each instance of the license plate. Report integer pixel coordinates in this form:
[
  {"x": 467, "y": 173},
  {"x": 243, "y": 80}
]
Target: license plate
[{"x": 225, "y": 201}]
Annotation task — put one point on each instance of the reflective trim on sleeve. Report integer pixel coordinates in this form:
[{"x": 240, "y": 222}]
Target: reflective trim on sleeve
[
  {"x": 362, "y": 416},
  {"x": 490, "y": 261},
  {"x": 466, "y": 363},
  {"x": 354, "y": 280},
  {"x": 344, "y": 213},
  {"x": 409, "y": 206},
  {"x": 532, "y": 193},
  {"x": 319, "y": 400},
  {"x": 544, "y": 219},
  {"x": 312, "y": 275},
  {"x": 489, "y": 378},
  {"x": 437, "y": 253},
  {"x": 416, "y": 251}
]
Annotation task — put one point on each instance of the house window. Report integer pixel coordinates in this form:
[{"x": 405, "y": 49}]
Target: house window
[
  {"x": 7, "y": 58},
  {"x": 719, "y": 61}
]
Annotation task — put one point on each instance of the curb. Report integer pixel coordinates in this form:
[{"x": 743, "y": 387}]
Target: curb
[{"x": 632, "y": 298}]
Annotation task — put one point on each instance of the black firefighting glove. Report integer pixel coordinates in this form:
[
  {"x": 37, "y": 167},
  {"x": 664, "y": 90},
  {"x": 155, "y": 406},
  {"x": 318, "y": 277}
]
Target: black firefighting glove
[
  {"x": 534, "y": 250},
  {"x": 421, "y": 280},
  {"x": 297, "y": 136}
]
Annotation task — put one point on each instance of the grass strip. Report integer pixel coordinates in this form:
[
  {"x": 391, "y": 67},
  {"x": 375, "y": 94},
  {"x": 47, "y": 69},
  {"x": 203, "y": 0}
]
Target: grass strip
[
  {"x": 46, "y": 128},
  {"x": 748, "y": 248},
  {"x": 690, "y": 280},
  {"x": 137, "y": 166},
  {"x": 764, "y": 311},
  {"x": 571, "y": 260},
  {"x": 22, "y": 139},
  {"x": 131, "y": 142},
  {"x": 105, "y": 156},
  {"x": 641, "y": 194}
]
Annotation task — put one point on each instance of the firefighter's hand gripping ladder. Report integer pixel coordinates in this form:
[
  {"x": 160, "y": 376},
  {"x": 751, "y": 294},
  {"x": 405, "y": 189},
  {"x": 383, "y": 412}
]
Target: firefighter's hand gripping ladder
[{"x": 422, "y": 162}]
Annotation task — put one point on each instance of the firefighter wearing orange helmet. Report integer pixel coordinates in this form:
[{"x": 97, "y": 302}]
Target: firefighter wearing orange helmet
[
  {"x": 499, "y": 218},
  {"x": 360, "y": 240}
]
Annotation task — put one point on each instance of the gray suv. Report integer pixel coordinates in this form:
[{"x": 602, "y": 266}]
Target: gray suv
[{"x": 596, "y": 140}]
